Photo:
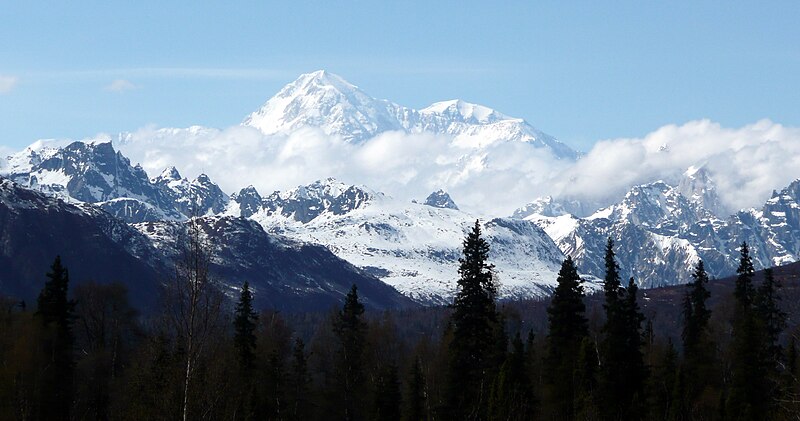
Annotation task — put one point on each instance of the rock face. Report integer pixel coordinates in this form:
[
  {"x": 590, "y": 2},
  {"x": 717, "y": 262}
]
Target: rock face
[
  {"x": 285, "y": 274},
  {"x": 440, "y": 199},
  {"x": 661, "y": 234},
  {"x": 93, "y": 172},
  {"x": 326, "y": 101}
]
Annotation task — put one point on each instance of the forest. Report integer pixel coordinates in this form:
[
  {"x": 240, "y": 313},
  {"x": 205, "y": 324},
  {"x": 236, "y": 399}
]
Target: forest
[{"x": 85, "y": 353}]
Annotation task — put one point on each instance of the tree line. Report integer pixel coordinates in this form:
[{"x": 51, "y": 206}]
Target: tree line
[{"x": 87, "y": 354}]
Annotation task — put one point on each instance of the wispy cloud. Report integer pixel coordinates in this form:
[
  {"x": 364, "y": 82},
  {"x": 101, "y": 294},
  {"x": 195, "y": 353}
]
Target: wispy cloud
[
  {"x": 170, "y": 72},
  {"x": 7, "y": 83},
  {"x": 120, "y": 85}
]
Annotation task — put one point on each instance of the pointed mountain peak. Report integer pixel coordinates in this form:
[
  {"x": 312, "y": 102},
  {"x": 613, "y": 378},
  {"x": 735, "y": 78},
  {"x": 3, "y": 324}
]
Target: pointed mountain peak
[
  {"x": 170, "y": 174},
  {"x": 440, "y": 199},
  {"x": 324, "y": 100},
  {"x": 322, "y": 78}
]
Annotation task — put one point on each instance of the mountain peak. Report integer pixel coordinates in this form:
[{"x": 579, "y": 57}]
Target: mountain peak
[
  {"x": 440, "y": 199},
  {"x": 327, "y": 101},
  {"x": 170, "y": 174},
  {"x": 464, "y": 111}
]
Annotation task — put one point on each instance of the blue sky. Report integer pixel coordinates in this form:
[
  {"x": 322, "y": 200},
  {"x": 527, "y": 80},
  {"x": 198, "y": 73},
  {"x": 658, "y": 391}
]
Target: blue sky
[{"x": 581, "y": 71}]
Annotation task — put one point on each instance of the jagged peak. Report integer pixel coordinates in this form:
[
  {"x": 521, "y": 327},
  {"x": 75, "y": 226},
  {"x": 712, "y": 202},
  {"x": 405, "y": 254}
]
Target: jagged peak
[
  {"x": 440, "y": 199},
  {"x": 170, "y": 174}
]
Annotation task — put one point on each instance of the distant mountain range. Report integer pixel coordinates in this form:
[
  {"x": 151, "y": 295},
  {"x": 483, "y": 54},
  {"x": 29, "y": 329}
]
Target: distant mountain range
[{"x": 303, "y": 247}]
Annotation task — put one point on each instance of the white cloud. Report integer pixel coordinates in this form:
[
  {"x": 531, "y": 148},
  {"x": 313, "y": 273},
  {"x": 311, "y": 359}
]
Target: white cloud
[
  {"x": 747, "y": 163},
  {"x": 7, "y": 83},
  {"x": 492, "y": 181},
  {"x": 120, "y": 85}
]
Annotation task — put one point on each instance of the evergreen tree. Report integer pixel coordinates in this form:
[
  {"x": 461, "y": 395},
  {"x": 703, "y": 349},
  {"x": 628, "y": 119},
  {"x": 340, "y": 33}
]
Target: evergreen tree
[
  {"x": 623, "y": 369},
  {"x": 472, "y": 365},
  {"x": 567, "y": 329},
  {"x": 512, "y": 395},
  {"x": 56, "y": 314},
  {"x": 771, "y": 317},
  {"x": 244, "y": 323},
  {"x": 698, "y": 373},
  {"x": 771, "y": 321},
  {"x": 586, "y": 406},
  {"x": 416, "y": 396},
  {"x": 695, "y": 314},
  {"x": 350, "y": 329},
  {"x": 747, "y": 398},
  {"x": 387, "y": 395}
]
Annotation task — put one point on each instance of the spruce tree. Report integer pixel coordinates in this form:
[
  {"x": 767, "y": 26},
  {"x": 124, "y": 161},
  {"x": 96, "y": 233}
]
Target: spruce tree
[
  {"x": 698, "y": 349},
  {"x": 746, "y": 397},
  {"x": 586, "y": 405},
  {"x": 472, "y": 364},
  {"x": 770, "y": 315},
  {"x": 56, "y": 314},
  {"x": 623, "y": 370},
  {"x": 771, "y": 321},
  {"x": 245, "y": 321},
  {"x": 567, "y": 329},
  {"x": 350, "y": 329}
]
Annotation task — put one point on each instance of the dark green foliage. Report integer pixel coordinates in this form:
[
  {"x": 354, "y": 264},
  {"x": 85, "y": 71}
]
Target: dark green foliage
[
  {"x": 387, "y": 395},
  {"x": 128, "y": 368},
  {"x": 695, "y": 314},
  {"x": 567, "y": 330},
  {"x": 56, "y": 314},
  {"x": 416, "y": 394},
  {"x": 244, "y": 323},
  {"x": 747, "y": 397},
  {"x": 771, "y": 321},
  {"x": 350, "y": 330},
  {"x": 512, "y": 395},
  {"x": 586, "y": 405},
  {"x": 699, "y": 376},
  {"x": 472, "y": 361},
  {"x": 665, "y": 386},
  {"x": 623, "y": 372},
  {"x": 771, "y": 317}
]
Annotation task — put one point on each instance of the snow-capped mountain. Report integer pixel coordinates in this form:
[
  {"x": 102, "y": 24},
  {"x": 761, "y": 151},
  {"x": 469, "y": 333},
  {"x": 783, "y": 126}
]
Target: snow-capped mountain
[
  {"x": 326, "y": 101},
  {"x": 660, "y": 234},
  {"x": 200, "y": 196},
  {"x": 93, "y": 172},
  {"x": 285, "y": 274},
  {"x": 413, "y": 247}
]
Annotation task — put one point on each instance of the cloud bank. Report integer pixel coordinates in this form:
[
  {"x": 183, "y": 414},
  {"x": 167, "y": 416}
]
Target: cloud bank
[{"x": 747, "y": 163}]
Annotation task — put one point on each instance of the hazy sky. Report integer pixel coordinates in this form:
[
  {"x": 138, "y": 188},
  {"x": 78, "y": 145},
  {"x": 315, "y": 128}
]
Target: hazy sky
[{"x": 581, "y": 71}]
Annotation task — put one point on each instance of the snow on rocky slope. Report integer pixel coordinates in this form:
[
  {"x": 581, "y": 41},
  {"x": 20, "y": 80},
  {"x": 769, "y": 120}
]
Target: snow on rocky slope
[
  {"x": 413, "y": 247},
  {"x": 660, "y": 233}
]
